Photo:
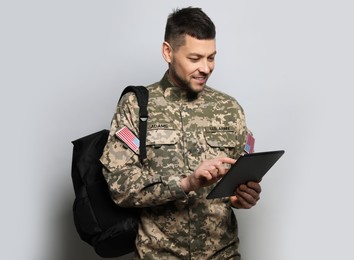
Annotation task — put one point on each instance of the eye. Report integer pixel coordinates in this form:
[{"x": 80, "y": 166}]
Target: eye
[
  {"x": 211, "y": 59},
  {"x": 192, "y": 59}
]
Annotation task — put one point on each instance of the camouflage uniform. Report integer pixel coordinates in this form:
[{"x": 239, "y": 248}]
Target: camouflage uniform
[{"x": 181, "y": 134}]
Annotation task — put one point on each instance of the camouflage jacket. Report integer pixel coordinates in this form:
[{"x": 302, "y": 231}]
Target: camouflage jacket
[{"x": 181, "y": 133}]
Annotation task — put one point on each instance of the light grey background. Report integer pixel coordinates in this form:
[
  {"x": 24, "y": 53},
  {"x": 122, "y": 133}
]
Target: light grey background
[{"x": 290, "y": 64}]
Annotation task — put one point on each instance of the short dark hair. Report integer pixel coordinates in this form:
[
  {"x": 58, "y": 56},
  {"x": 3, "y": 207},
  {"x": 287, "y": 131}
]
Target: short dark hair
[{"x": 190, "y": 21}]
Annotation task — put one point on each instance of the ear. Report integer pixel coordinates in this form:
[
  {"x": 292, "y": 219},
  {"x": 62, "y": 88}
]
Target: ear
[{"x": 167, "y": 52}]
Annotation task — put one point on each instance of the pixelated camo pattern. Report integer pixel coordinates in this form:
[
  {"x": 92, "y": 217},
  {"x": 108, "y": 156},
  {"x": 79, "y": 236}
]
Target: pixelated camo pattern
[{"x": 181, "y": 134}]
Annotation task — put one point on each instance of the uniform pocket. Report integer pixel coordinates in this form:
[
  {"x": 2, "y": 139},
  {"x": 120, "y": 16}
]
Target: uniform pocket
[
  {"x": 159, "y": 137},
  {"x": 162, "y": 146},
  {"x": 220, "y": 143},
  {"x": 221, "y": 139}
]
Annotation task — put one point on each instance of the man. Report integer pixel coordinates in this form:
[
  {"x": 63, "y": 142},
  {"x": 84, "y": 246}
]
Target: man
[{"x": 194, "y": 134}]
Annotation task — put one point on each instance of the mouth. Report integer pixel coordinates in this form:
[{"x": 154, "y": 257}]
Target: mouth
[{"x": 200, "y": 79}]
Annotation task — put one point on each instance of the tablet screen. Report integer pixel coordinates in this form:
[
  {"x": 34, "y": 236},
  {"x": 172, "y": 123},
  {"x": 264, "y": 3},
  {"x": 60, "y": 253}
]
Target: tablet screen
[{"x": 249, "y": 167}]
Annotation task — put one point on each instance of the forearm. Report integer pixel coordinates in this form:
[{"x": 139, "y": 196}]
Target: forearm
[{"x": 135, "y": 188}]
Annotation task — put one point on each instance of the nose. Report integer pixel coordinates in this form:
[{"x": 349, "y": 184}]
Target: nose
[{"x": 206, "y": 66}]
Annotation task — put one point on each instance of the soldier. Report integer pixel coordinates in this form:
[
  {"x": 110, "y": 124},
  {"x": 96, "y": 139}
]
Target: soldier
[{"x": 194, "y": 133}]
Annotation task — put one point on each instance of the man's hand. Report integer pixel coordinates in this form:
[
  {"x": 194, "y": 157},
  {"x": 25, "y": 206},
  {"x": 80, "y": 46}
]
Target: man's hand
[
  {"x": 246, "y": 195},
  {"x": 207, "y": 173}
]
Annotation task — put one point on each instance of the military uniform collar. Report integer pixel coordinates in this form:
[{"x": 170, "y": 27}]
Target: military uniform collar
[{"x": 172, "y": 92}]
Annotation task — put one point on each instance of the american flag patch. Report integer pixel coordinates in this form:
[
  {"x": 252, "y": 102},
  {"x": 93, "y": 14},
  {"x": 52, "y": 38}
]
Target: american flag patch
[
  {"x": 128, "y": 138},
  {"x": 249, "y": 147}
]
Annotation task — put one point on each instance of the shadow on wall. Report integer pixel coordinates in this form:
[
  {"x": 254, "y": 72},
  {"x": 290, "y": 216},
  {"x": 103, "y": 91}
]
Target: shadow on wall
[{"x": 71, "y": 247}]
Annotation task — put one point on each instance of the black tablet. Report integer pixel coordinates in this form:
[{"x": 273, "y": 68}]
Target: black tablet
[{"x": 249, "y": 167}]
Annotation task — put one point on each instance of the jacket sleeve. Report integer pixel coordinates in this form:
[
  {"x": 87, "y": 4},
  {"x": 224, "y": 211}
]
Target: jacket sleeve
[{"x": 131, "y": 183}]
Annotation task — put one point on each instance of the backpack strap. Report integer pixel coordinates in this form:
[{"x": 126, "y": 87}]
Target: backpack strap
[{"x": 142, "y": 95}]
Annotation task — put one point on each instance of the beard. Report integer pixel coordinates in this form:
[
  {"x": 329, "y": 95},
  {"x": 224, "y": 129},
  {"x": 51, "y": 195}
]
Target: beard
[{"x": 183, "y": 84}]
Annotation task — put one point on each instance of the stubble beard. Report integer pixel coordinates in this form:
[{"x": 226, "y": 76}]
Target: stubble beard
[{"x": 185, "y": 85}]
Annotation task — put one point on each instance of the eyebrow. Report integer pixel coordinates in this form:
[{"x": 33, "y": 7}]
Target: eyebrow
[{"x": 200, "y": 55}]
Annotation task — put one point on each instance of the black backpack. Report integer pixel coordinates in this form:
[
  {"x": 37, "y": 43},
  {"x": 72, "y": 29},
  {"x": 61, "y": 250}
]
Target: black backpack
[{"x": 110, "y": 229}]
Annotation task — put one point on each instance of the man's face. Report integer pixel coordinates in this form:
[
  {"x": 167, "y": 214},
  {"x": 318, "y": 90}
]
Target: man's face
[{"x": 192, "y": 64}]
